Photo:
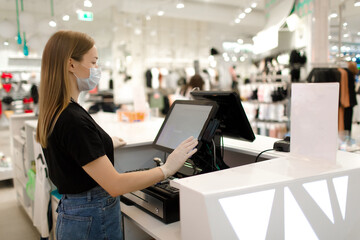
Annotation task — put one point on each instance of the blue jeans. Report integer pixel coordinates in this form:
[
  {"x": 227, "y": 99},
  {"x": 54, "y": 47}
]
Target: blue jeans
[{"x": 90, "y": 215}]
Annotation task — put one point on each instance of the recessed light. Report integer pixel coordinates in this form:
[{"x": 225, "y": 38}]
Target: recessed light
[
  {"x": 87, "y": 3},
  {"x": 52, "y": 23},
  {"x": 242, "y": 15},
  {"x": 248, "y": 10}
]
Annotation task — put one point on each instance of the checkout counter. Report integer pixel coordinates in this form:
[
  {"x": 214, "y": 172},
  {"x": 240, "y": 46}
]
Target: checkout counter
[{"x": 280, "y": 198}]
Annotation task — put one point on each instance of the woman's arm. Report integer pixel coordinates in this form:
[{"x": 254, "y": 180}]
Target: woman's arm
[
  {"x": 104, "y": 173},
  {"x": 118, "y": 142}
]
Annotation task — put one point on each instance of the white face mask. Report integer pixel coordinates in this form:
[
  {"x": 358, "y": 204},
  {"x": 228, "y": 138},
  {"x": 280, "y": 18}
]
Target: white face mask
[{"x": 86, "y": 84}]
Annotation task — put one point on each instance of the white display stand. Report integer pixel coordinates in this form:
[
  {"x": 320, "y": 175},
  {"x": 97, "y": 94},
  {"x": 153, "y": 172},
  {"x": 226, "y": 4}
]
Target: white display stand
[
  {"x": 21, "y": 144},
  {"x": 314, "y": 121}
]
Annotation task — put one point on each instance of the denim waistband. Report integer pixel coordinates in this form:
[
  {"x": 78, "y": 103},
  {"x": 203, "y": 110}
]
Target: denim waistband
[{"x": 98, "y": 190}]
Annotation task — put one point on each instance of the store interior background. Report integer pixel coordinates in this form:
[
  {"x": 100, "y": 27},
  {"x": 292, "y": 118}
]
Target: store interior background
[
  {"x": 255, "y": 36},
  {"x": 175, "y": 39}
]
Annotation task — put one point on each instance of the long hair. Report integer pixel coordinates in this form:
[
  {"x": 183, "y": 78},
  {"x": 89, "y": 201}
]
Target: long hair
[
  {"x": 195, "y": 81},
  {"x": 54, "y": 92}
]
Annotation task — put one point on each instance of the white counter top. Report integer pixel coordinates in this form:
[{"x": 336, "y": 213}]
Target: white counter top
[
  {"x": 133, "y": 133},
  {"x": 266, "y": 172},
  {"x": 137, "y": 133}
]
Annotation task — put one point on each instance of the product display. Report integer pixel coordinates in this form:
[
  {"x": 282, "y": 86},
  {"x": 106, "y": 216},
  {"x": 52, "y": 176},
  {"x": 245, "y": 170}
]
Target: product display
[{"x": 266, "y": 105}]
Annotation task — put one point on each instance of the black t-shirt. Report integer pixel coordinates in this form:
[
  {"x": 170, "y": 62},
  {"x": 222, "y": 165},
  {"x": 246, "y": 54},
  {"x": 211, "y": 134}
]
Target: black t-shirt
[{"x": 75, "y": 141}]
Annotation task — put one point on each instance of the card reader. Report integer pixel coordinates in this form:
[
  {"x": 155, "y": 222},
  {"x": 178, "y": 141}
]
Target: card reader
[{"x": 282, "y": 145}]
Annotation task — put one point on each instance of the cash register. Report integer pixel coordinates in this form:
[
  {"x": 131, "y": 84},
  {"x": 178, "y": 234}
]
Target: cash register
[{"x": 209, "y": 117}]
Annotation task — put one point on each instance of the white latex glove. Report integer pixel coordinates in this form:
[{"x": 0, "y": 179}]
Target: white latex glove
[
  {"x": 118, "y": 142},
  {"x": 178, "y": 157}
]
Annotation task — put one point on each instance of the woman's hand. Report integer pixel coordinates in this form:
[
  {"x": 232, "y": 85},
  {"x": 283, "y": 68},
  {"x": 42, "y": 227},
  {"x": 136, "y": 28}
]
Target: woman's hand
[
  {"x": 118, "y": 142},
  {"x": 178, "y": 157}
]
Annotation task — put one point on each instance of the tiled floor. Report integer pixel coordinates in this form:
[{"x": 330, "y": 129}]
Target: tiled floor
[{"x": 14, "y": 222}]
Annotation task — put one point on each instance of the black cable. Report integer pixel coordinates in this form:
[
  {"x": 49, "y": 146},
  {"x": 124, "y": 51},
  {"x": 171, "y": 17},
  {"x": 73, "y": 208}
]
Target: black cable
[{"x": 257, "y": 157}]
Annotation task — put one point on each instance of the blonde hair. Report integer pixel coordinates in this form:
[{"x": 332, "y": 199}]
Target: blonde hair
[{"x": 54, "y": 91}]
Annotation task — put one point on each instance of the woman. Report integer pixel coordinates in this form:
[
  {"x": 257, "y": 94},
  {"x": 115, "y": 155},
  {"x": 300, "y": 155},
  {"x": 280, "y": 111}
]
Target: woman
[
  {"x": 79, "y": 154},
  {"x": 196, "y": 81}
]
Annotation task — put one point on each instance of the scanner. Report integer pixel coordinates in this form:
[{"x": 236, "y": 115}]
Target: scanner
[{"x": 282, "y": 145}]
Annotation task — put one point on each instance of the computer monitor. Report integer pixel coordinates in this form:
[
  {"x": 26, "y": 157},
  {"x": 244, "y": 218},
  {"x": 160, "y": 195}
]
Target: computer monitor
[
  {"x": 184, "y": 119},
  {"x": 233, "y": 120}
]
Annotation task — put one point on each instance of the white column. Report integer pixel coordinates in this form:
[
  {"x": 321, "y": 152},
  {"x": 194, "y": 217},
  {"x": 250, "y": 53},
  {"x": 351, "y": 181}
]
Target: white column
[{"x": 320, "y": 32}]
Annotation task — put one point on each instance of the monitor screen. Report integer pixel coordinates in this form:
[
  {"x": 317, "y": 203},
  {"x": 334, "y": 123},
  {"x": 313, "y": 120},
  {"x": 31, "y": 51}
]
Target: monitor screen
[
  {"x": 184, "y": 119},
  {"x": 233, "y": 120}
]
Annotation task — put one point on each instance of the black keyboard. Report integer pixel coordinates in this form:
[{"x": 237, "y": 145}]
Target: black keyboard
[
  {"x": 165, "y": 189},
  {"x": 162, "y": 187}
]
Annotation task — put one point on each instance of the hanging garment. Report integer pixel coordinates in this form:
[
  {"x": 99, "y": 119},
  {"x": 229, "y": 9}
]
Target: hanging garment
[
  {"x": 7, "y": 87},
  {"x": 351, "y": 83},
  {"x": 343, "y": 98}
]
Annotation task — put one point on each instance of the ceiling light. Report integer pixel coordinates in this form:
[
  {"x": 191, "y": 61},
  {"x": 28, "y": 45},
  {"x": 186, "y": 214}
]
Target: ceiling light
[
  {"x": 66, "y": 18},
  {"x": 233, "y": 58},
  {"x": 357, "y": 3},
  {"x": 52, "y": 23},
  {"x": 160, "y": 13},
  {"x": 345, "y": 24},
  {"x": 78, "y": 11},
  {"x": 346, "y": 35},
  {"x": 148, "y": 17},
  {"x": 254, "y": 5},
  {"x": 87, "y": 3},
  {"x": 237, "y": 20},
  {"x": 137, "y": 31},
  {"x": 6, "y": 43},
  {"x": 333, "y": 15},
  {"x": 242, "y": 58},
  {"x": 180, "y": 4},
  {"x": 240, "y": 41},
  {"x": 329, "y": 37},
  {"x": 242, "y": 15},
  {"x": 248, "y": 10},
  {"x": 358, "y": 33}
]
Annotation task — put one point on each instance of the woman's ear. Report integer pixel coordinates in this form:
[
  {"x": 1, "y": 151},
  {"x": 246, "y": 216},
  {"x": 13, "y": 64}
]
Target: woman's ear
[{"x": 71, "y": 65}]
